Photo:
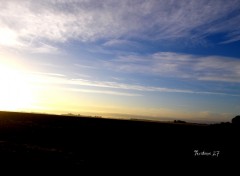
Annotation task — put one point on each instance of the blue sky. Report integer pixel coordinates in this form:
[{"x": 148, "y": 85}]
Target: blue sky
[{"x": 154, "y": 59}]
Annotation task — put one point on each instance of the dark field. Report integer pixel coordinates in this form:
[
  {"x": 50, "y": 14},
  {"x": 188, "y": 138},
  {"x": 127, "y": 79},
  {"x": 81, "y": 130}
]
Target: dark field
[{"x": 82, "y": 143}]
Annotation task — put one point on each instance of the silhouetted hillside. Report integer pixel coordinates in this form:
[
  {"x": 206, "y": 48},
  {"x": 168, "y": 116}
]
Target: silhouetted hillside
[{"x": 63, "y": 142}]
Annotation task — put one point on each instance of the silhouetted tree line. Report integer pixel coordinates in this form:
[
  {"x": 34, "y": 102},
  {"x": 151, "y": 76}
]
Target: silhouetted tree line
[
  {"x": 179, "y": 121},
  {"x": 236, "y": 120},
  {"x": 234, "y": 123}
]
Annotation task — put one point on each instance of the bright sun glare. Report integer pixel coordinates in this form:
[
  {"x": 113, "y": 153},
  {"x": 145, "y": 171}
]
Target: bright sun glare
[
  {"x": 15, "y": 91},
  {"x": 7, "y": 37}
]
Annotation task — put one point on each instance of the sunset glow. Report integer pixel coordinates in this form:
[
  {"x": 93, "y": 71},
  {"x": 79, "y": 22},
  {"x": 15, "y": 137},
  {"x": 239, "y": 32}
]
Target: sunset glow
[
  {"x": 15, "y": 92},
  {"x": 160, "y": 60}
]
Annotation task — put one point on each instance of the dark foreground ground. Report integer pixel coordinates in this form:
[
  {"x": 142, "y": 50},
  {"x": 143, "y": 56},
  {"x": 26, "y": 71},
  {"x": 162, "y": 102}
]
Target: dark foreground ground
[{"x": 59, "y": 143}]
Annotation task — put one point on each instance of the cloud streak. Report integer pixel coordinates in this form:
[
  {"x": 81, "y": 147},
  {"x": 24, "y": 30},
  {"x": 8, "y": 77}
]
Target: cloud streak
[
  {"x": 117, "y": 85},
  {"x": 169, "y": 64},
  {"x": 106, "y": 86},
  {"x": 103, "y": 92},
  {"x": 31, "y": 22}
]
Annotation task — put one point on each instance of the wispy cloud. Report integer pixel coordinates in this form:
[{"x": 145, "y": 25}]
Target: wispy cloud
[
  {"x": 42, "y": 48},
  {"x": 80, "y": 75},
  {"x": 103, "y": 92},
  {"x": 228, "y": 22},
  {"x": 120, "y": 43},
  {"x": 168, "y": 64},
  {"x": 106, "y": 86},
  {"x": 117, "y": 85},
  {"x": 28, "y": 22},
  {"x": 85, "y": 66},
  {"x": 48, "y": 74},
  {"x": 232, "y": 39}
]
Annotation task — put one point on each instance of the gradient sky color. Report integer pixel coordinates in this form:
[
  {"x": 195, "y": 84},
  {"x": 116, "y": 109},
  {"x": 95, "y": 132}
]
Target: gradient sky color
[{"x": 152, "y": 59}]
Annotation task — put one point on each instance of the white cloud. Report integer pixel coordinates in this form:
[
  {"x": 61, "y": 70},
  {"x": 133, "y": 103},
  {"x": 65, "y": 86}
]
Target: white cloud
[
  {"x": 227, "y": 24},
  {"x": 231, "y": 39},
  {"x": 43, "y": 48},
  {"x": 85, "y": 66},
  {"x": 120, "y": 43},
  {"x": 118, "y": 85},
  {"x": 63, "y": 20},
  {"x": 48, "y": 74},
  {"x": 51, "y": 79},
  {"x": 103, "y": 92},
  {"x": 10, "y": 39},
  {"x": 168, "y": 64}
]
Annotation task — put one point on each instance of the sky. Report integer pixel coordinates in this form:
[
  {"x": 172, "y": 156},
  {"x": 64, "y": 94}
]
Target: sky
[{"x": 149, "y": 59}]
